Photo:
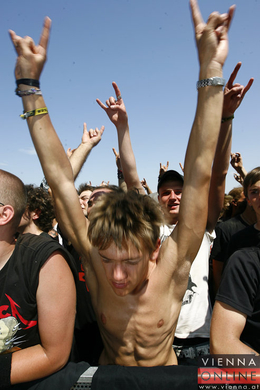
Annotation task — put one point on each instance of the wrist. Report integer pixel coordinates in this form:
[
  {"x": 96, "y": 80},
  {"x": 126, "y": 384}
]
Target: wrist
[{"x": 210, "y": 70}]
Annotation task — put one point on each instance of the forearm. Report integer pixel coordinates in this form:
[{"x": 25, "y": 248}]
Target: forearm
[
  {"x": 205, "y": 130},
  {"x": 78, "y": 158},
  {"x": 127, "y": 159},
  {"x": 219, "y": 172},
  {"x": 34, "y": 363},
  {"x": 50, "y": 151},
  {"x": 229, "y": 345}
]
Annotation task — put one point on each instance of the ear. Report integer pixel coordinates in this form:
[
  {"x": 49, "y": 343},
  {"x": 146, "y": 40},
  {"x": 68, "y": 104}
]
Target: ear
[
  {"x": 248, "y": 201},
  {"x": 35, "y": 214},
  {"x": 6, "y": 214},
  {"x": 155, "y": 253}
]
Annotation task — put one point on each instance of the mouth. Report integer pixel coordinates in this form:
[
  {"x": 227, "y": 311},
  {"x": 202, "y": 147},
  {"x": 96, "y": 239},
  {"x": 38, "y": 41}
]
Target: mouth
[{"x": 119, "y": 286}]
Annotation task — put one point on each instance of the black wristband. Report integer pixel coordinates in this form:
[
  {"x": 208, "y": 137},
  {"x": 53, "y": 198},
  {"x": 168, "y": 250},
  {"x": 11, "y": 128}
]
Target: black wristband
[
  {"x": 31, "y": 82},
  {"x": 5, "y": 371},
  {"x": 120, "y": 175}
]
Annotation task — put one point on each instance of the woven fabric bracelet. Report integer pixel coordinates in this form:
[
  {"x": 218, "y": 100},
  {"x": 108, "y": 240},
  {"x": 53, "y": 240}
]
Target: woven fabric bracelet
[
  {"x": 30, "y": 82},
  {"x": 38, "y": 111},
  {"x": 229, "y": 118},
  {"x": 31, "y": 91}
]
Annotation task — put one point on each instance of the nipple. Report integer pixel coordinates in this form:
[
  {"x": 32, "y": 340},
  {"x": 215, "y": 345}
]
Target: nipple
[{"x": 160, "y": 323}]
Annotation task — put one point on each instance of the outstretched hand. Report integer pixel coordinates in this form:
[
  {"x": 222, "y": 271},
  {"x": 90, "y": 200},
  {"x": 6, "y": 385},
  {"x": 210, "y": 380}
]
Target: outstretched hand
[
  {"x": 115, "y": 108},
  {"x": 234, "y": 93},
  {"x": 211, "y": 37},
  {"x": 163, "y": 168},
  {"x": 236, "y": 161},
  {"x": 93, "y": 136},
  {"x": 31, "y": 58}
]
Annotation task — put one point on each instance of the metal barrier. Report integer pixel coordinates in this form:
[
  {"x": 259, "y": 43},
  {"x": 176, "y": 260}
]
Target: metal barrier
[{"x": 85, "y": 380}]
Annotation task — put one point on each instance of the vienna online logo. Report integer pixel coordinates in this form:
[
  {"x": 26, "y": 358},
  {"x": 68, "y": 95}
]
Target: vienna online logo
[{"x": 229, "y": 372}]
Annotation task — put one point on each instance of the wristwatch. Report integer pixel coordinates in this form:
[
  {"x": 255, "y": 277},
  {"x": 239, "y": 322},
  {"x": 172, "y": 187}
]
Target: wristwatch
[{"x": 213, "y": 81}]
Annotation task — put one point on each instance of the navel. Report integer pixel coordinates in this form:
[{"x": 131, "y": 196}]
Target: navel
[
  {"x": 160, "y": 323},
  {"x": 103, "y": 318}
]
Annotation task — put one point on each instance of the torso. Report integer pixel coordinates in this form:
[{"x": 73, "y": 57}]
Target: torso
[{"x": 137, "y": 329}]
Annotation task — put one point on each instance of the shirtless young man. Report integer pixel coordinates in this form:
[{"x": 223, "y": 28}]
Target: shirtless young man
[{"x": 136, "y": 288}]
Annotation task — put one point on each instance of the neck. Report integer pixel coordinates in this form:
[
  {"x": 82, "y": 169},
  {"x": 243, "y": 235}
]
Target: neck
[
  {"x": 249, "y": 215},
  {"x": 6, "y": 249}
]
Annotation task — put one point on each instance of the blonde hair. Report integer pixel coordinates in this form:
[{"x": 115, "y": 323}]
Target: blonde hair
[{"x": 123, "y": 217}]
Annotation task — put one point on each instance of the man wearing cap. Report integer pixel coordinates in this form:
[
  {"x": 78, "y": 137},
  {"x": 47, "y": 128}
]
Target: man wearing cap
[{"x": 192, "y": 331}]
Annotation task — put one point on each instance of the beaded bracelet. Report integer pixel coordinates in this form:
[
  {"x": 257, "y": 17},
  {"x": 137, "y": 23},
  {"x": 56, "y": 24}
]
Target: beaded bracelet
[
  {"x": 31, "y": 91},
  {"x": 229, "y": 118}
]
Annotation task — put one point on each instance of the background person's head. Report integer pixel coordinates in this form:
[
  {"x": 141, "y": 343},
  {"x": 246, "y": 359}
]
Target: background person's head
[
  {"x": 169, "y": 195},
  {"x": 39, "y": 210},
  {"x": 12, "y": 198}
]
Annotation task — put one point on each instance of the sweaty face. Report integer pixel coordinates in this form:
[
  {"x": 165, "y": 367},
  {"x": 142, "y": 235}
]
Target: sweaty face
[
  {"x": 254, "y": 197},
  {"x": 169, "y": 198},
  {"x": 83, "y": 200},
  {"x": 126, "y": 270}
]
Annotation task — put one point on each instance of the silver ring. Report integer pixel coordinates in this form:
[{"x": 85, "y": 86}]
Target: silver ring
[{"x": 119, "y": 97}]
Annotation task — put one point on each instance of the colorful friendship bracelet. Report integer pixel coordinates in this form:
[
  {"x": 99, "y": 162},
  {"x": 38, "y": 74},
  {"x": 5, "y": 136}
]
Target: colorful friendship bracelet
[
  {"x": 31, "y": 91},
  {"x": 37, "y": 111}
]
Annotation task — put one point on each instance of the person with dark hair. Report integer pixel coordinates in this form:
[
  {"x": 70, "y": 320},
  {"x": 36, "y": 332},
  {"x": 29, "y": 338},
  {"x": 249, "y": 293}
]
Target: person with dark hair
[
  {"x": 37, "y": 294},
  {"x": 39, "y": 214},
  {"x": 84, "y": 191}
]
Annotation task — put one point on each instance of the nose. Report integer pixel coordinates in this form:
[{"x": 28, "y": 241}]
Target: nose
[
  {"x": 119, "y": 272},
  {"x": 173, "y": 195}
]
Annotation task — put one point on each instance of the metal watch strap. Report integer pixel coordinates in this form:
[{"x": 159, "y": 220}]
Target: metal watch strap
[{"x": 213, "y": 81}]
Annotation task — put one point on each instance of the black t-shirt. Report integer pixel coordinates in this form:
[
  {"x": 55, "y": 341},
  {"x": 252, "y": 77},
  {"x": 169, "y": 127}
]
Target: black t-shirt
[
  {"x": 240, "y": 289},
  {"x": 243, "y": 239},
  {"x": 19, "y": 280},
  {"x": 224, "y": 232}
]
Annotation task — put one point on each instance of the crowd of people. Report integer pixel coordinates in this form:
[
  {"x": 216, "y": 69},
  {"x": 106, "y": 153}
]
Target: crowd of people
[{"x": 119, "y": 274}]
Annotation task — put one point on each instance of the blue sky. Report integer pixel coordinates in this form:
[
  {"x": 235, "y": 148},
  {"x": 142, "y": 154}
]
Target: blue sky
[{"x": 148, "y": 48}]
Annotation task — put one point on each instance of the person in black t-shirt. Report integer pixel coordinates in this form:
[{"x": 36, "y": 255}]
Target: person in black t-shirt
[{"x": 37, "y": 295}]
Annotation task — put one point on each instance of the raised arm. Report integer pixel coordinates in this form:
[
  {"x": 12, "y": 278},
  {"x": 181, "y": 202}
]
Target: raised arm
[
  {"x": 56, "y": 166},
  {"x": 212, "y": 44},
  {"x": 116, "y": 111},
  {"x": 233, "y": 96},
  {"x": 237, "y": 163},
  {"x": 89, "y": 140},
  {"x": 120, "y": 176}
]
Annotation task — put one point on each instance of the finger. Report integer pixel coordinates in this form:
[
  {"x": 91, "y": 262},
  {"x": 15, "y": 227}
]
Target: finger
[
  {"x": 101, "y": 104},
  {"x": 102, "y": 130},
  {"x": 160, "y": 165},
  {"x": 115, "y": 152},
  {"x": 44, "y": 38},
  {"x": 167, "y": 165},
  {"x": 117, "y": 91},
  {"x": 84, "y": 127},
  {"x": 112, "y": 101},
  {"x": 196, "y": 15},
  {"x": 15, "y": 39},
  {"x": 233, "y": 75},
  {"x": 216, "y": 22},
  {"x": 231, "y": 12},
  {"x": 247, "y": 87}
]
